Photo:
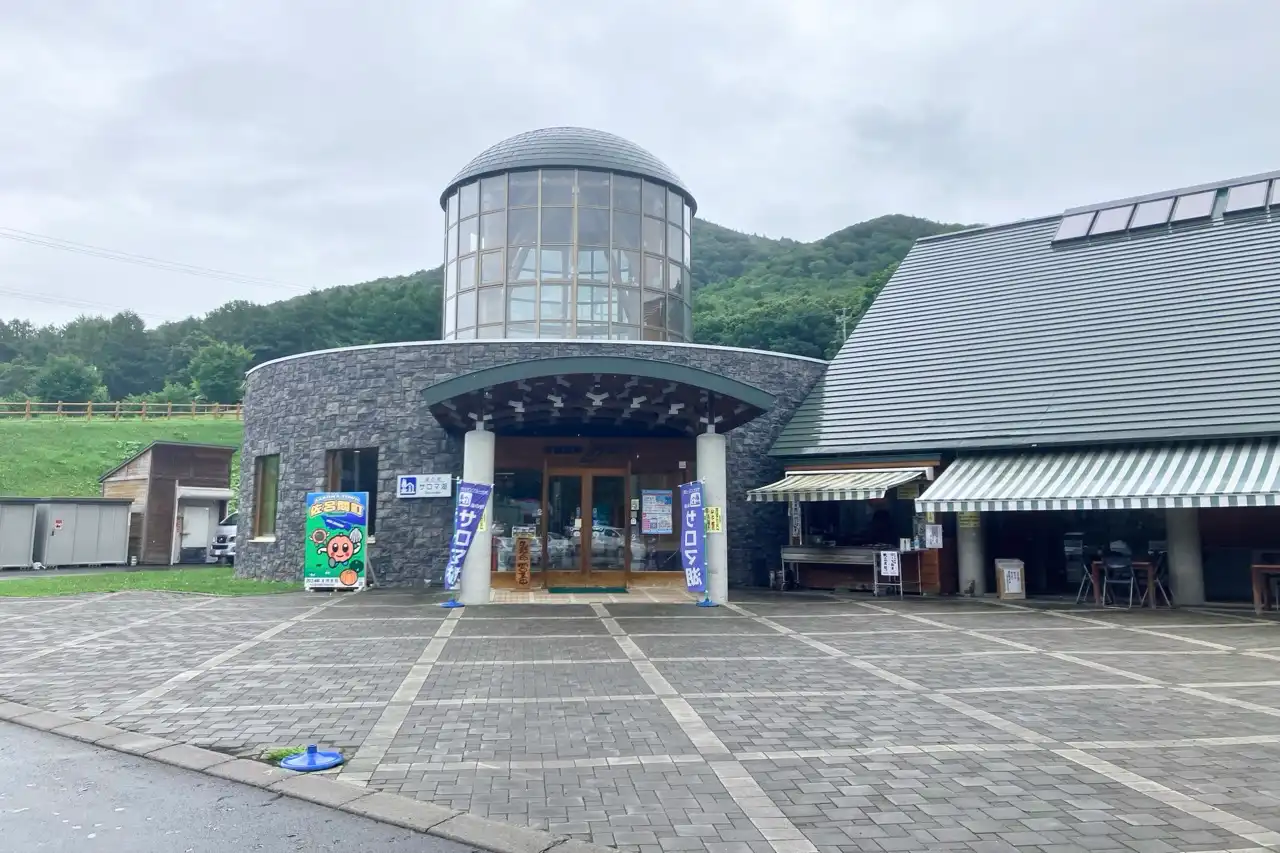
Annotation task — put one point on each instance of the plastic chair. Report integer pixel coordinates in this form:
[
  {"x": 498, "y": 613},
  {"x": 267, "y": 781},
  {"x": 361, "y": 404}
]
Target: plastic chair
[{"x": 1117, "y": 570}]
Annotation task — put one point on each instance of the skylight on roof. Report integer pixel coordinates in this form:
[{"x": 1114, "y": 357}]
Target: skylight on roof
[
  {"x": 1247, "y": 197},
  {"x": 1151, "y": 213},
  {"x": 1074, "y": 226},
  {"x": 1112, "y": 220},
  {"x": 1275, "y": 193},
  {"x": 1194, "y": 206}
]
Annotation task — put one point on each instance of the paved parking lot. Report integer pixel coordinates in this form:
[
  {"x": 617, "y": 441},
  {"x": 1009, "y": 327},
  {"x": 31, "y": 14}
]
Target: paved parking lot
[{"x": 781, "y": 723}]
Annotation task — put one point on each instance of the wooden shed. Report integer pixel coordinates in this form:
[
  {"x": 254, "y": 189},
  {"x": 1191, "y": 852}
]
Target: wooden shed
[{"x": 179, "y": 491}]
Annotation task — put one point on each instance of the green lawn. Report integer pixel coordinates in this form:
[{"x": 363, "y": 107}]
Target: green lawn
[
  {"x": 216, "y": 580},
  {"x": 46, "y": 457}
]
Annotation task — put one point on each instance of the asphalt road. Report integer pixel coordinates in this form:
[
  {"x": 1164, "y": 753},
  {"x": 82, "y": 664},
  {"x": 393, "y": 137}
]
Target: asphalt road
[{"x": 58, "y": 794}]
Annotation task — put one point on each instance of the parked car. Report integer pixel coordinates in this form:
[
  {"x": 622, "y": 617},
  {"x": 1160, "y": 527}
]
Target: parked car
[{"x": 223, "y": 549}]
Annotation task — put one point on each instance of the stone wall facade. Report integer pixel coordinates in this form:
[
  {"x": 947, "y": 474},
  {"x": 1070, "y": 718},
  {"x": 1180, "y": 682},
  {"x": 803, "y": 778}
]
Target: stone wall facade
[{"x": 303, "y": 406}]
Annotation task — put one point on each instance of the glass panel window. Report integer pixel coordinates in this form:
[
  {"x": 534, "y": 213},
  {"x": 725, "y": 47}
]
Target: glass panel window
[
  {"x": 1112, "y": 220},
  {"x": 1275, "y": 193},
  {"x": 490, "y": 305},
  {"x": 493, "y": 230},
  {"x": 625, "y": 333},
  {"x": 553, "y": 302},
  {"x": 493, "y": 193},
  {"x": 1074, "y": 226},
  {"x": 1194, "y": 206},
  {"x": 467, "y": 272},
  {"x": 593, "y": 227},
  {"x": 523, "y": 189},
  {"x": 522, "y": 264},
  {"x": 626, "y": 230},
  {"x": 626, "y": 306},
  {"x": 1152, "y": 213},
  {"x": 592, "y": 331},
  {"x": 355, "y": 471},
  {"x": 556, "y": 263},
  {"x": 469, "y": 200},
  {"x": 469, "y": 235},
  {"x": 557, "y": 225},
  {"x": 655, "y": 310},
  {"x": 266, "y": 494},
  {"x": 593, "y": 189},
  {"x": 655, "y": 277},
  {"x": 453, "y": 208},
  {"x": 489, "y": 331},
  {"x": 675, "y": 318},
  {"x": 554, "y": 329},
  {"x": 653, "y": 233},
  {"x": 688, "y": 219},
  {"x": 522, "y": 227},
  {"x": 450, "y": 317},
  {"x": 688, "y": 250},
  {"x": 675, "y": 242},
  {"x": 626, "y": 267},
  {"x": 522, "y": 330},
  {"x": 465, "y": 334},
  {"x": 626, "y": 193},
  {"x": 451, "y": 243},
  {"x": 654, "y": 334},
  {"x": 593, "y": 264},
  {"x": 467, "y": 310},
  {"x": 491, "y": 271},
  {"x": 675, "y": 207},
  {"x": 450, "y": 280},
  {"x": 675, "y": 279},
  {"x": 655, "y": 200},
  {"x": 557, "y": 187},
  {"x": 1247, "y": 197},
  {"x": 521, "y": 306},
  {"x": 593, "y": 303}
]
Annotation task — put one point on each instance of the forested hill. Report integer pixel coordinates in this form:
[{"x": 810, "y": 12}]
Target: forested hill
[{"x": 749, "y": 291}]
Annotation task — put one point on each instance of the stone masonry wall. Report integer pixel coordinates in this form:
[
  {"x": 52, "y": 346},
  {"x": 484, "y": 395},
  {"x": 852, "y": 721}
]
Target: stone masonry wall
[{"x": 303, "y": 406}]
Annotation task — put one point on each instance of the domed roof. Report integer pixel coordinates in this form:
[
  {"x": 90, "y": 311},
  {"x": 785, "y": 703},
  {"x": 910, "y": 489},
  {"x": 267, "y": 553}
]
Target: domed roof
[{"x": 579, "y": 147}]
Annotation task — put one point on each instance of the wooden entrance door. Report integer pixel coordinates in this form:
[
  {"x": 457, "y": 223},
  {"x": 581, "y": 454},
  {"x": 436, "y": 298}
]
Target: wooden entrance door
[{"x": 586, "y": 527}]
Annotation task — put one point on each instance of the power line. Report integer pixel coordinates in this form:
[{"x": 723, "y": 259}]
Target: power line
[
  {"x": 143, "y": 260},
  {"x": 77, "y": 303}
]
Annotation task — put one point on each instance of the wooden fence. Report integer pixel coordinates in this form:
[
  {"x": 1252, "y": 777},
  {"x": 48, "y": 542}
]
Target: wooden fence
[{"x": 116, "y": 411}]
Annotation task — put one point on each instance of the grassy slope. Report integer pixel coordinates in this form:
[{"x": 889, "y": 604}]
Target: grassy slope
[
  {"x": 47, "y": 457},
  {"x": 217, "y": 580}
]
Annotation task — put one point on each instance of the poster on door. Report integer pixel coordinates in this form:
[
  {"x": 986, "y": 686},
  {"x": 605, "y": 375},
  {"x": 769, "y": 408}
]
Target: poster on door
[
  {"x": 693, "y": 537},
  {"x": 655, "y": 512},
  {"x": 336, "y": 530}
]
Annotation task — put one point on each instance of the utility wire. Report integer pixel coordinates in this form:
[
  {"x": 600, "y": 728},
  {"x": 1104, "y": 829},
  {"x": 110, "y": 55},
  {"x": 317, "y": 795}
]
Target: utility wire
[{"x": 77, "y": 303}]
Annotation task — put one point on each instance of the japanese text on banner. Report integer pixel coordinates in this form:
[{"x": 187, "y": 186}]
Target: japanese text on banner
[
  {"x": 467, "y": 513},
  {"x": 693, "y": 537}
]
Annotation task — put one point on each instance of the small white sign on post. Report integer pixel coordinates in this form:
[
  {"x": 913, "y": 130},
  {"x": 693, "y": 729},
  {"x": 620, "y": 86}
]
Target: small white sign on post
[
  {"x": 1010, "y": 579},
  {"x": 424, "y": 485},
  {"x": 890, "y": 566},
  {"x": 933, "y": 536}
]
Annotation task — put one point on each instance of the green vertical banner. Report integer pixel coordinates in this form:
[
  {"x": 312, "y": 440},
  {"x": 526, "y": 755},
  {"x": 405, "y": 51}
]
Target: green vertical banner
[{"x": 337, "y": 532}]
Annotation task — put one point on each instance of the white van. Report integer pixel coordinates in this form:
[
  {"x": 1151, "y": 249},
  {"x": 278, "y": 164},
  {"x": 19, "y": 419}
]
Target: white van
[{"x": 223, "y": 548}]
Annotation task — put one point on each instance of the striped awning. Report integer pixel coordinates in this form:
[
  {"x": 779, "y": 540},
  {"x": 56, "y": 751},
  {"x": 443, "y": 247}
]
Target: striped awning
[
  {"x": 861, "y": 485},
  {"x": 1243, "y": 472}
]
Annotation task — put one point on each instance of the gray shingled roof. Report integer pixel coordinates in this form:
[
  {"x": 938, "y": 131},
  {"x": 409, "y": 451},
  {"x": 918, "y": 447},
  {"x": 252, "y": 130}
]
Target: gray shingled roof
[
  {"x": 994, "y": 337},
  {"x": 579, "y": 147}
]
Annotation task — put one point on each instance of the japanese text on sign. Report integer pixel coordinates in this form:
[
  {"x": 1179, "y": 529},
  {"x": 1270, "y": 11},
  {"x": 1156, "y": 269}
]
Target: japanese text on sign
[
  {"x": 715, "y": 519},
  {"x": 467, "y": 514},
  {"x": 890, "y": 567},
  {"x": 693, "y": 550}
]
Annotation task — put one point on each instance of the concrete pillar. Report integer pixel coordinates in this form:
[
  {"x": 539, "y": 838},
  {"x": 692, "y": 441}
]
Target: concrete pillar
[
  {"x": 477, "y": 467},
  {"x": 715, "y": 492},
  {"x": 971, "y": 556},
  {"x": 1186, "y": 571}
]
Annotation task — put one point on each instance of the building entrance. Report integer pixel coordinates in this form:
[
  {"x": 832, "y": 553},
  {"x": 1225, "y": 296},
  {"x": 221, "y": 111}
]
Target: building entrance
[{"x": 586, "y": 534}]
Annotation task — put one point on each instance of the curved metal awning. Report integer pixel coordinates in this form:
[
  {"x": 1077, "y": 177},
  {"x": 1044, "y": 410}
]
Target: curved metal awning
[
  {"x": 612, "y": 394},
  {"x": 1244, "y": 472},
  {"x": 861, "y": 485}
]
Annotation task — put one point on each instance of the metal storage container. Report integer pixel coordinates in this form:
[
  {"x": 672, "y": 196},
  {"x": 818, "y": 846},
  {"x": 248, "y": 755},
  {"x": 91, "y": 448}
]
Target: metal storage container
[
  {"x": 82, "y": 532},
  {"x": 17, "y": 533}
]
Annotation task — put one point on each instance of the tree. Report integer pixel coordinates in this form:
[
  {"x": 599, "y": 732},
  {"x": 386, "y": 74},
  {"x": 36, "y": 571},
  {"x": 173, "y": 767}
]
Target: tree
[
  {"x": 15, "y": 378},
  {"x": 66, "y": 378},
  {"x": 217, "y": 371}
]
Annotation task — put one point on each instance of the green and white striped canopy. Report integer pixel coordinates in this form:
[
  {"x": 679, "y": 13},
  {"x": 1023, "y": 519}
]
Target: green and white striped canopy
[
  {"x": 864, "y": 485},
  {"x": 1243, "y": 472}
]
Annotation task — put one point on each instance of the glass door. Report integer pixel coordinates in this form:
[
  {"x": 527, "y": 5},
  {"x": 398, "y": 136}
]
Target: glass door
[
  {"x": 587, "y": 530},
  {"x": 562, "y": 533},
  {"x": 610, "y": 532}
]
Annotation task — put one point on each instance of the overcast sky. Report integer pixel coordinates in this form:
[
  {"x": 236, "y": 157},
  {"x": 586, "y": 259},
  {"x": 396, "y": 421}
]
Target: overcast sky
[{"x": 307, "y": 141}]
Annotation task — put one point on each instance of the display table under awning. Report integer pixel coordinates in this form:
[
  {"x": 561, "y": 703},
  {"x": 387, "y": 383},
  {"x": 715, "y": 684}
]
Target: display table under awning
[
  {"x": 1229, "y": 473},
  {"x": 860, "y": 485}
]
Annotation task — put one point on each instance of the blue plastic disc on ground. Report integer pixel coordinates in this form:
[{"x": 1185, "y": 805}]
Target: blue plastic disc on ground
[
  {"x": 453, "y": 602},
  {"x": 311, "y": 760}
]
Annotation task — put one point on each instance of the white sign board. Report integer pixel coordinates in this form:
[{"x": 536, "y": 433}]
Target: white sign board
[
  {"x": 933, "y": 536},
  {"x": 1009, "y": 577},
  {"x": 795, "y": 519},
  {"x": 890, "y": 567},
  {"x": 424, "y": 485}
]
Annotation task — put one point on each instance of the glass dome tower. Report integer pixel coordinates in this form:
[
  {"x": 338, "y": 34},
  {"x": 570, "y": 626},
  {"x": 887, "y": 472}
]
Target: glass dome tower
[{"x": 567, "y": 232}]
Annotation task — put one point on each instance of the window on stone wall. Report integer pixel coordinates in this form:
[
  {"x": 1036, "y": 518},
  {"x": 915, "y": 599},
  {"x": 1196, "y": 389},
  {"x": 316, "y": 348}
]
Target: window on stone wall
[
  {"x": 354, "y": 470},
  {"x": 266, "y": 494}
]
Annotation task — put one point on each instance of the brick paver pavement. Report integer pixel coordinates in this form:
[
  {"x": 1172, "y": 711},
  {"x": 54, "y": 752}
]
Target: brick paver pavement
[{"x": 788, "y": 723}]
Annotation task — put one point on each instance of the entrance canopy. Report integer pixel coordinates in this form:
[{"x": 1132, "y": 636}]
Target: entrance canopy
[
  {"x": 611, "y": 395},
  {"x": 863, "y": 485},
  {"x": 1245, "y": 472}
]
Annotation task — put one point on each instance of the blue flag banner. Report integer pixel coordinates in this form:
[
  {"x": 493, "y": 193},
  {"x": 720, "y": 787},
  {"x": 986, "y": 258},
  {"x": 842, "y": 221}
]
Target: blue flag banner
[
  {"x": 693, "y": 537},
  {"x": 467, "y": 512}
]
